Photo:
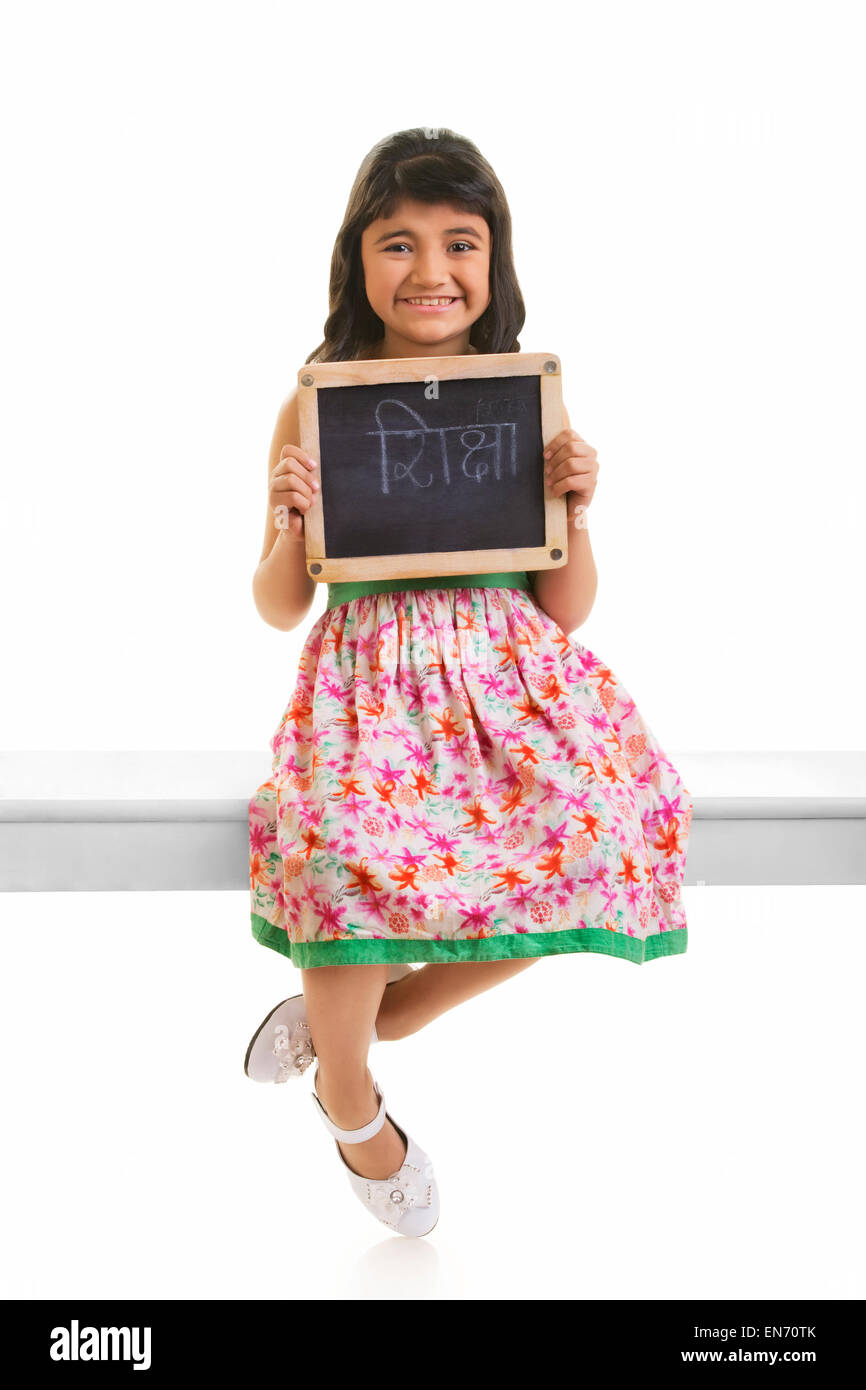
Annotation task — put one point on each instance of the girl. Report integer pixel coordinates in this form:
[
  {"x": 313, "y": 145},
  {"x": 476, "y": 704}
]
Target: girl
[{"x": 455, "y": 780}]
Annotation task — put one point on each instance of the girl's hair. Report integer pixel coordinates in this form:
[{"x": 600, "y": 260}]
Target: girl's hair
[{"x": 428, "y": 166}]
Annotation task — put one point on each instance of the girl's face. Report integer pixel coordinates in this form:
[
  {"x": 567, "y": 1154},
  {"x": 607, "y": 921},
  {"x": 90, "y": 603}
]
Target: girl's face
[{"x": 427, "y": 251}]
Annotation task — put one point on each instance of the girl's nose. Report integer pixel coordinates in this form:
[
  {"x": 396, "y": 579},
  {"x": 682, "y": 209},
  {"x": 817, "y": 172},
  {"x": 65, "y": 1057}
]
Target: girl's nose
[{"x": 431, "y": 272}]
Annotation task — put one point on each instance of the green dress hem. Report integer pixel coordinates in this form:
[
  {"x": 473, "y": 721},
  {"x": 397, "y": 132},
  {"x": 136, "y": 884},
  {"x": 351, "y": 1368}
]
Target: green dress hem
[{"x": 507, "y": 946}]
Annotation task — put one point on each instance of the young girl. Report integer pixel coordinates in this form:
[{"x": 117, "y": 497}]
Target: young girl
[{"x": 455, "y": 780}]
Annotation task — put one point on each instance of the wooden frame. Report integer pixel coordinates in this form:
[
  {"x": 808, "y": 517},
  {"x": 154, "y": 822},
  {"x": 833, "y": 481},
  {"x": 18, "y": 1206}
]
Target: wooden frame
[{"x": 319, "y": 376}]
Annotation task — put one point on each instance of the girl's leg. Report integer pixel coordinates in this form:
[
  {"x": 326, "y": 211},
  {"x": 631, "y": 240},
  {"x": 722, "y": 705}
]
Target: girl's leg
[
  {"x": 414, "y": 1001},
  {"x": 341, "y": 1005}
]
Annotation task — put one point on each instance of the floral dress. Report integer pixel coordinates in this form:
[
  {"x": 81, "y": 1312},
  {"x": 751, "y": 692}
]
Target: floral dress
[{"x": 453, "y": 779}]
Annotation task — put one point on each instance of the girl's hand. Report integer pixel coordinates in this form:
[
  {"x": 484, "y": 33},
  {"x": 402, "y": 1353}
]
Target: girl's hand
[
  {"x": 290, "y": 490},
  {"x": 571, "y": 467}
]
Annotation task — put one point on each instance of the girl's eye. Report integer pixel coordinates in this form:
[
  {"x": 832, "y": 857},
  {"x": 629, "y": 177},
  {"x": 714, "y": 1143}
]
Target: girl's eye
[{"x": 396, "y": 245}]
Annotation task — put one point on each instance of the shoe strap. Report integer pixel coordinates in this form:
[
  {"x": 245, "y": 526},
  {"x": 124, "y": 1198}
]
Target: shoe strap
[{"x": 353, "y": 1136}]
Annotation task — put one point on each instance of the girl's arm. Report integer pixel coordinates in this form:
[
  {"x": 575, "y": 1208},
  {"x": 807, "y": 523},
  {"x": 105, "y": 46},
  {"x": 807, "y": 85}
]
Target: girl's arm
[
  {"x": 282, "y": 590},
  {"x": 567, "y": 594}
]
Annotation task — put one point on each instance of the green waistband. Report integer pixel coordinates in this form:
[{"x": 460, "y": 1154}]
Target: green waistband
[{"x": 344, "y": 593}]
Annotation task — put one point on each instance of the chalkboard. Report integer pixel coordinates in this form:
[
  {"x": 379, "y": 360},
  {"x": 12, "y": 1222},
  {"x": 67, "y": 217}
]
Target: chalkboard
[{"x": 432, "y": 466}]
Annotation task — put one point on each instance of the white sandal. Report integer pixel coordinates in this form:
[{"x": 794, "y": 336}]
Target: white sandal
[
  {"x": 281, "y": 1048},
  {"x": 407, "y": 1201}
]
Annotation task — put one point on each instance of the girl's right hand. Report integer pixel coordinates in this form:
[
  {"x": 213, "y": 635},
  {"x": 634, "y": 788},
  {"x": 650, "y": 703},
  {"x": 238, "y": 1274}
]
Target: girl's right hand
[{"x": 290, "y": 490}]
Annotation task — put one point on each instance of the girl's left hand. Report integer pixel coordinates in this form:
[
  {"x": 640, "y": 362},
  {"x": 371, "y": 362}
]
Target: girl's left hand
[{"x": 571, "y": 466}]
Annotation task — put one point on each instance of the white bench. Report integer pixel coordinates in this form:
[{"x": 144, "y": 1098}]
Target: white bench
[{"x": 173, "y": 820}]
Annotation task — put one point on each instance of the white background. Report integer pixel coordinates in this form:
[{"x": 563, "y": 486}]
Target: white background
[
  {"x": 687, "y": 1129},
  {"x": 684, "y": 184}
]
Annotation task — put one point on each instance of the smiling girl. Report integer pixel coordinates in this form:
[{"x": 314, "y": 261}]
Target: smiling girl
[{"x": 456, "y": 782}]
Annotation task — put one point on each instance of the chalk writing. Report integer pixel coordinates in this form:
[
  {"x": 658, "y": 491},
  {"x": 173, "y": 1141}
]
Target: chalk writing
[{"x": 487, "y": 447}]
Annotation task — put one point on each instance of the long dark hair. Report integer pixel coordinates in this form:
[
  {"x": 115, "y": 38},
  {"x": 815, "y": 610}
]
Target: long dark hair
[{"x": 428, "y": 166}]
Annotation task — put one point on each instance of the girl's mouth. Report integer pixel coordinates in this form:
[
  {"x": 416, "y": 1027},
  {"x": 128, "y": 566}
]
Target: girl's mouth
[{"x": 430, "y": 304}]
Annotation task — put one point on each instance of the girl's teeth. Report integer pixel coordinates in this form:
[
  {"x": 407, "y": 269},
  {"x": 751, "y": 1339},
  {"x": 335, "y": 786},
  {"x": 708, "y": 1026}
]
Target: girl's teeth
[{"x": 448, "y": 300}]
